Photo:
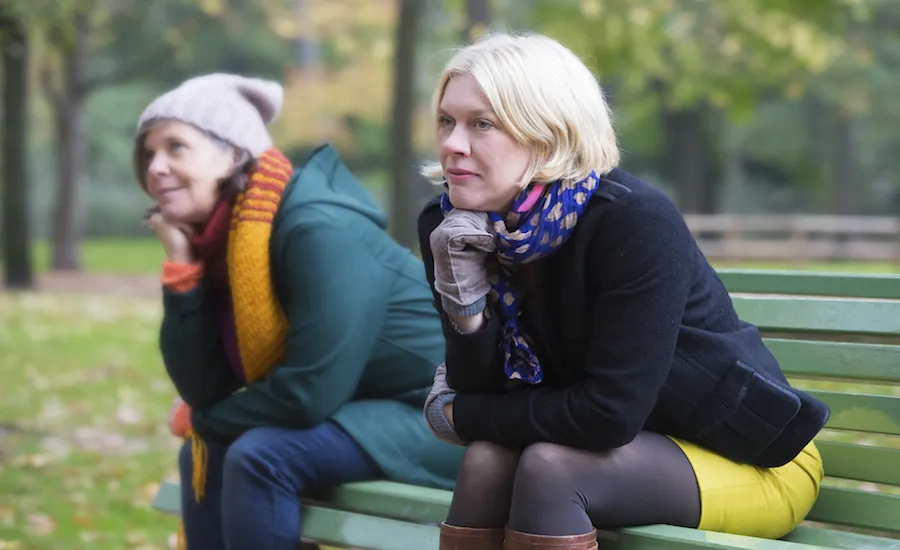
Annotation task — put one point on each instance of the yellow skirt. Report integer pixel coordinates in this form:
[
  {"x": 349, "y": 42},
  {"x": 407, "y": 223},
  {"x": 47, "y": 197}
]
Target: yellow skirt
[{"x": 746, "y": 500}]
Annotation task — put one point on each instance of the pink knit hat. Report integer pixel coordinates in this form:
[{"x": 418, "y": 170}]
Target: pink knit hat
[{"x": 234, "y": 108}]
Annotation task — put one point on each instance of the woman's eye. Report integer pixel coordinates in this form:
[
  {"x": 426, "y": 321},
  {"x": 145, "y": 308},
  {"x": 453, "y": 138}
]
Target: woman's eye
[
  {"x": 445, "y": 121},
  {"x": 483, "y": 125},
  {"x": 175, "y": 146}
]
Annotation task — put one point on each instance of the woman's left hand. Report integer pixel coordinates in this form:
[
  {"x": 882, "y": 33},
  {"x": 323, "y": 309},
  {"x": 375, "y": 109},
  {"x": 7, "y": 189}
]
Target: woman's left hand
[
  {"x": 173, "y": 238},
  {"x": 180, "y": 418}
]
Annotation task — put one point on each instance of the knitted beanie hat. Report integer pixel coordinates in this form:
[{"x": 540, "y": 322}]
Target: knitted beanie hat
[{"x": 234, "y": 108}]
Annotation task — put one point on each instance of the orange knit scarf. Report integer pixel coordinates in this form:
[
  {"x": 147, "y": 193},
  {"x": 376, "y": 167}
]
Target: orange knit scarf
[{"x": 260, "y": 323}]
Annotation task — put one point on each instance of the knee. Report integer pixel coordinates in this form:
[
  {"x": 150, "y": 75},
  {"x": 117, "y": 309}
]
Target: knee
[
  {"x": 544, "y": 466},
  {"x": 488, "y": 460},
  {"x": 247, "y": 454}
]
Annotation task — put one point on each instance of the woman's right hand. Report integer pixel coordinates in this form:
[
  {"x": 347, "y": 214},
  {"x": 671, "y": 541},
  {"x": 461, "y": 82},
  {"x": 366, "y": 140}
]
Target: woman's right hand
[
  {"x": 460, "y": 245},
  {"x": 174, "y": 239}
]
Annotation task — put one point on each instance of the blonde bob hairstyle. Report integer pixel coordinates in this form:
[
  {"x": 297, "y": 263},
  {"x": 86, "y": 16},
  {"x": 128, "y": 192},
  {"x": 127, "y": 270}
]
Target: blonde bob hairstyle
[{"x": 547, "y": 100}]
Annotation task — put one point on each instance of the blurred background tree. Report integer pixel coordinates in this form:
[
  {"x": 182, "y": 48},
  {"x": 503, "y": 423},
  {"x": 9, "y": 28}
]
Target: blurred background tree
[{"x": 736, "y": 107}]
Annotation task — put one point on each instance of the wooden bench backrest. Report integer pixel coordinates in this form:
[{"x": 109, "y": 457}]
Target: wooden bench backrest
[{"x": 838, "y": 337}]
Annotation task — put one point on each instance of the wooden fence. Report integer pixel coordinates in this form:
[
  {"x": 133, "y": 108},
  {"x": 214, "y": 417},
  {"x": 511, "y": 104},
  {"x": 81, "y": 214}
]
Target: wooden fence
[{"x": 797, "y": 238}]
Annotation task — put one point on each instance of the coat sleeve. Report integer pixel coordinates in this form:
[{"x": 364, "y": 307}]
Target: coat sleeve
[
  {"x": 335, "y": 295},
  {"x": 474, "y": 360},
  {"x": 640, "y": 262},
  {"x": 192, "y": 350}
]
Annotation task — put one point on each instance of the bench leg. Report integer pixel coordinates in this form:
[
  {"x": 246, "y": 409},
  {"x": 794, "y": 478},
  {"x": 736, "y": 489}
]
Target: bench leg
[
  {"x": 467, "y": 538},
  {"x": 525, "y": 541}
]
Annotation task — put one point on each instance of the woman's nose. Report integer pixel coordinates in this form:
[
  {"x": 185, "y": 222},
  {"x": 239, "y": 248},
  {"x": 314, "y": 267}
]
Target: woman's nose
[
  {"x": 158, "y": 165},
  {"x": 457, "y": 142}
]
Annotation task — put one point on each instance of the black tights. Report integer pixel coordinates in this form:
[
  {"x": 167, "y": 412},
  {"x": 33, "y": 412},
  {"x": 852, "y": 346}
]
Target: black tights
[{"x": 549, "y": 489}]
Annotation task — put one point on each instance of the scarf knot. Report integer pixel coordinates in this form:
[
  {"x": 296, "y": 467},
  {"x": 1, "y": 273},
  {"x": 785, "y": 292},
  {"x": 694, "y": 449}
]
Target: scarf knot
[{"x": 543, "y": 226}]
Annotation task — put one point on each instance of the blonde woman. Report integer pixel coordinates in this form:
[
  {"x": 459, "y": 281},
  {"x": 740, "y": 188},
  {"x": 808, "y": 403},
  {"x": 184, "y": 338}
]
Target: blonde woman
[{"x": 595, "y": 370}]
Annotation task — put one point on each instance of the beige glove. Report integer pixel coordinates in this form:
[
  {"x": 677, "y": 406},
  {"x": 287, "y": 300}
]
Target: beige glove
[{"x": 460, "y": 245}]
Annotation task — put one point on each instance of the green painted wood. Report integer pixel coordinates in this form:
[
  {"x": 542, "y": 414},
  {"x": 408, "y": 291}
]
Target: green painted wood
[
  {"x": 664, "y": 537},
  {"x": 861, "y": 412},
  {"x": 359, "y": 503},
  {"x": 856, "y": 508},
  {"x": 390, "y": 499},
  {"x": 864, "y": 285},
  {"x": 843, "y": 540},
  {"x": 865, "y": 362},
  {"x": 348, "y": 529},
  {"x": 168, "y": 499},
  {"x": 875, "y": 464},
  {"x": 802, "y": 314}
]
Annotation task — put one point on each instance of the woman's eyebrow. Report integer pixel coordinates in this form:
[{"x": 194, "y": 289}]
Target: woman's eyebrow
[{"x": 473, "y": 112}]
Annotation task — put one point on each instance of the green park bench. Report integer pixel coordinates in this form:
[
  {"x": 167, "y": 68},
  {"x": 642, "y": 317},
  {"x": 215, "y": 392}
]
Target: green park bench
[{"x": 837, "y": 336}]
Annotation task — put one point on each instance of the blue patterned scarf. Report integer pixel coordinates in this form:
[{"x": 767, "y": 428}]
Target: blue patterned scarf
[{"x": 544, "y": 227}]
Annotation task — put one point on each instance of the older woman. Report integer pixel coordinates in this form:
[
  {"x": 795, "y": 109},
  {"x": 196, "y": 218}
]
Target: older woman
[
  {"x": 596, "y": 369},
  {"x": 300, "y": 337}
]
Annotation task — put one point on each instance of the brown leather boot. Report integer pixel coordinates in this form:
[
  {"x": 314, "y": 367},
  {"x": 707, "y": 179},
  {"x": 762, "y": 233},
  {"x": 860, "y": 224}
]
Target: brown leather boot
[
  {"x": 470, "y": 538},
  {"x": 525, "y": 541}
]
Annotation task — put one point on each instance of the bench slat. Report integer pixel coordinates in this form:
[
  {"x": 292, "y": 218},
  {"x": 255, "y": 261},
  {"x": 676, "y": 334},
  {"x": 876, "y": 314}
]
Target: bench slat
[
  {"x": 856, "y": 508},
  {"x": 869, "y": 362},
  {"x": 861, "y": 412},
  {"x": 811, "y": 283},
  {"x": 848, "y": 461},
  {"x": 844, "y": 540},
  {"x": 349, "y": 529},
  {"x": 168, "y": 499},
  {"x": 390, "y": 499},
  {"x": 801, "y": 314},
  {"x": 657, "y": 537},
  {"x": 420, "y": 504}
]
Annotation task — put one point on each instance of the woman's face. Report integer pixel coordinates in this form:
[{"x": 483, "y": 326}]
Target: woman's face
[
  {"x": 482, "y": 163},
  {"x": 184, "y": 168}
]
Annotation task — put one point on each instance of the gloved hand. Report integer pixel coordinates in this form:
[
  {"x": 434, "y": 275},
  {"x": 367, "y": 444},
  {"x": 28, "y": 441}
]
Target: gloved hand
[
  {"x": 440, "y": 395},
  {"x": 460, "y": 245}
]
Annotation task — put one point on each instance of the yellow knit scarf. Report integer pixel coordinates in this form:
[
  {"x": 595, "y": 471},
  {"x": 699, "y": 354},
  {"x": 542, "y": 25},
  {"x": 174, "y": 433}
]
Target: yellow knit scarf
[{"x": 260, "y": 323}]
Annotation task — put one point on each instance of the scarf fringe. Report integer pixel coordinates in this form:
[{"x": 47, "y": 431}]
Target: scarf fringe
[
  {"x": 180, "y": 537},
  {"x": 199, "y": 457}
]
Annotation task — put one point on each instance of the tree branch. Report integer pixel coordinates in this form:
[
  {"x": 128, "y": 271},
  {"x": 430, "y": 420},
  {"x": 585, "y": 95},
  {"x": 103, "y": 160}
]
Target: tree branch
[{"x": 128, "y": 71}]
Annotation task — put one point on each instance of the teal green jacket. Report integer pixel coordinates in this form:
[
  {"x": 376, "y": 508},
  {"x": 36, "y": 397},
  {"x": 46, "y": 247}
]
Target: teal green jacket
[{"x": 363, "y": 340}]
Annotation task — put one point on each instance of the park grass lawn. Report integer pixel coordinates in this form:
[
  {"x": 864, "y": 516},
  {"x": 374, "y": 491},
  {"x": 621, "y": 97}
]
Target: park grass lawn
[
  {"x": 83, "y": 437},
  {"x": 133, "y": 256}
]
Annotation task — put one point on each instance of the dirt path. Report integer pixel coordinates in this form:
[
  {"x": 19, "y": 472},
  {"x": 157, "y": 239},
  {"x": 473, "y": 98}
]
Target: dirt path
[{"x": 135, "y": 286}]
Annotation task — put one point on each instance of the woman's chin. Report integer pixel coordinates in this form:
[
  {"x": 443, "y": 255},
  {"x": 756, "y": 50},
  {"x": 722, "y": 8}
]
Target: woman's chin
[
  {"x": 173, "y": 214},
  {"x": 467, "y": 202}
]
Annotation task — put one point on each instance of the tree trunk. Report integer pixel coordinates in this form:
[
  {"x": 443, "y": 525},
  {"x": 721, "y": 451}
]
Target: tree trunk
[
  {"x": 306, "y": 49},
  {"x": 844, "y": 185},
  {"x": 17, "y": 260},
  {"x": 71, "y": 153},
  {"x": 477, "y": 20},
  {"x": 406, "y": 180},
  {"x": 688, "y": 161}
]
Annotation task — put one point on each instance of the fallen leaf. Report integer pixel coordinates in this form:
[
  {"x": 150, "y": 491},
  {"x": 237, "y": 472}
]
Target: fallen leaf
[
  {"x": 7, "y": 517},
  {"x": 41, "y": 524},
  {"x": 38, "y": 460}
]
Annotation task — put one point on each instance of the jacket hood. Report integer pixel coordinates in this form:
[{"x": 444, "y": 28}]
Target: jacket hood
[{"x": 324, "y": 179}]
